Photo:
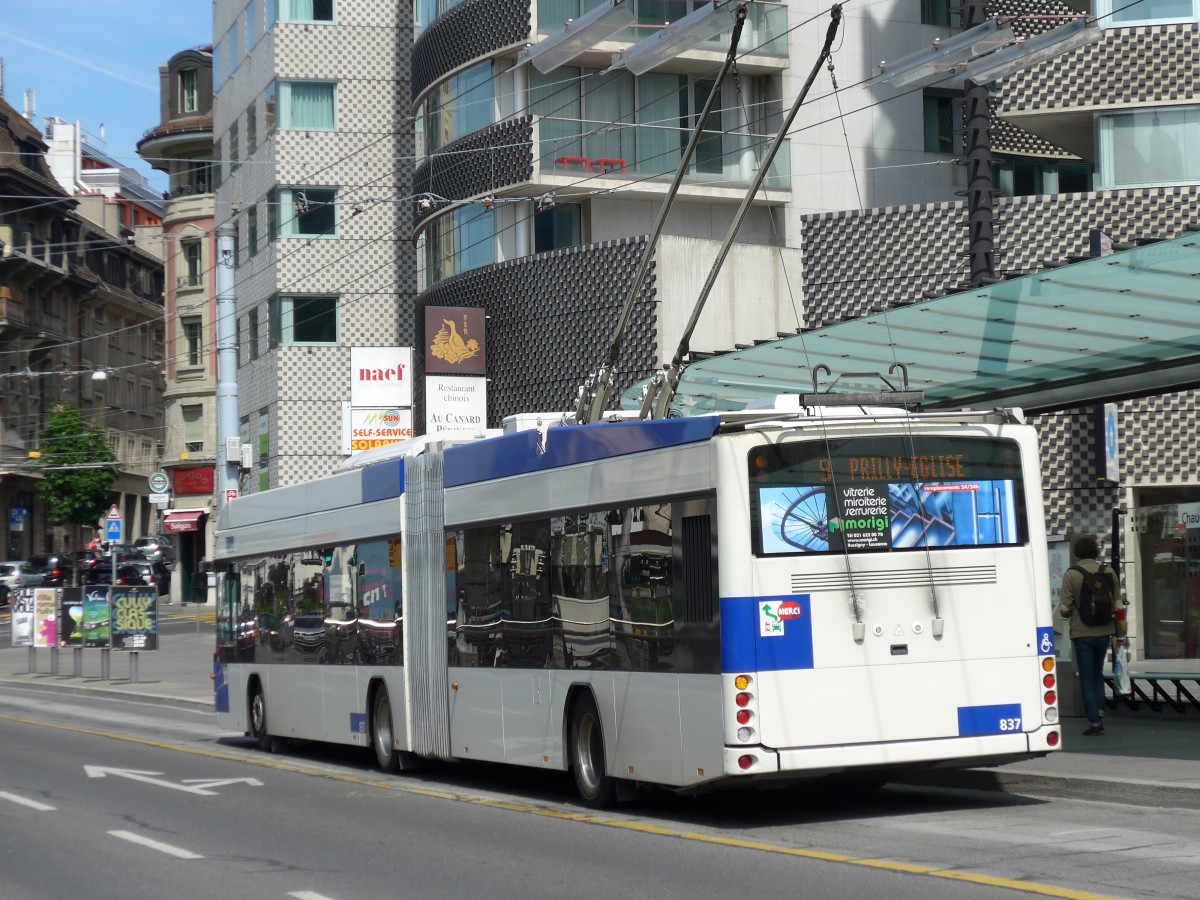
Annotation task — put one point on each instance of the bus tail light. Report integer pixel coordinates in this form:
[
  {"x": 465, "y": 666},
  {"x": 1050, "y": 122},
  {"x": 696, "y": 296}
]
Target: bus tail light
[
  {"x": 744, "y": 701},
  {"x": 745, "y": 761},
  {"x": 1052, "y": 739},
  {"x": 1050, "y": 698}
]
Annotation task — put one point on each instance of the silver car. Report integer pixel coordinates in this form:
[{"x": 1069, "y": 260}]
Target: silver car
[
  {"x": 156, "y": 548},
  {"x": 18, "y": 573}
]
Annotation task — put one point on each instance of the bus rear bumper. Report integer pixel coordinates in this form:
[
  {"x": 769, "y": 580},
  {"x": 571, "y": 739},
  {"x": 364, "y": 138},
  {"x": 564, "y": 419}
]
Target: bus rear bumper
[{"x": 952, "y": 752}]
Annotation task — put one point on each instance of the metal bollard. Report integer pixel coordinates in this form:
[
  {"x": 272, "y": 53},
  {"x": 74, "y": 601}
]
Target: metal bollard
[
  {"x": 105, "y": 663},
  {"x": 133, "y": 667},
  {"x": 78, "y": 667},
  {"x": 53, "y": 660}
]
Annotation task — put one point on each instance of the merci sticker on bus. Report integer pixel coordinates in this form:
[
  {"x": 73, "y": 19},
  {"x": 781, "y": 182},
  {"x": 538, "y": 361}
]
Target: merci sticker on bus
[{"x": 772, "y": 614}]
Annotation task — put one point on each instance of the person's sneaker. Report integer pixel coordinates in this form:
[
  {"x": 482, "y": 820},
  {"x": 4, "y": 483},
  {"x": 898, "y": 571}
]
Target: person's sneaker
[{"x": 1093, "y": 730}]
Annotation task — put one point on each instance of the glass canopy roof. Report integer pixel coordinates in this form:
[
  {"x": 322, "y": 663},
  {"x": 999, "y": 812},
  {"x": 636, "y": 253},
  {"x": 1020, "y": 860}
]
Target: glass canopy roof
[{"x": 1101, "y": 329}]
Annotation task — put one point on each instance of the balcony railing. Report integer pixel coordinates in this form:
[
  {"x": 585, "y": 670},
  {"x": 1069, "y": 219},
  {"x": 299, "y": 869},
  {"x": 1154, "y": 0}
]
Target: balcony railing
[
  {"x": 187, "y": 281},
  {"x": 763, "y": 34},
  {"x": 591, "y": 149}
]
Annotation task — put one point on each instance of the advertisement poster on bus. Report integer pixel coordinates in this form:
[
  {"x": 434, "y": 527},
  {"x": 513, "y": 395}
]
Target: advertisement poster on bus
[
  {"x": 22, "y": 617},
  {"x": 96, "y": 618},
  {"x": 134, "y": 618},
  {"x": 45, "y": 617}
]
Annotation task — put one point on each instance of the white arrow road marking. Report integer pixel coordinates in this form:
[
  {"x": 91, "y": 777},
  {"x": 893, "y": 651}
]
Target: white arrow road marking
[
  {"x": 155, "y": 845},
  {"x": 200, "y": 788},
  {"x": 206, "y": 783},
  {"x": 25, "y": 801}
]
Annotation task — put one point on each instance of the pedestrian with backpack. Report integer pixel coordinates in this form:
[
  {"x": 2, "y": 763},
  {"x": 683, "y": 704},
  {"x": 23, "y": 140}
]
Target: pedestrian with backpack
[{"x": 1090, "y": 598}]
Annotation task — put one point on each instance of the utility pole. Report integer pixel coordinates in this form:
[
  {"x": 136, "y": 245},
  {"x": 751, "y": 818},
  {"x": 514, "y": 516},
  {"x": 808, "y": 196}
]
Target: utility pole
[
  {"x": 977, "y": 138},
  {"x": 228, "y": 435}
]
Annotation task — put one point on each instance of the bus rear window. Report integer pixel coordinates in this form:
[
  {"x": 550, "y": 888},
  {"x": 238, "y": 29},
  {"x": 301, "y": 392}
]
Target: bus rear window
[{"x": 889, "y": 493}]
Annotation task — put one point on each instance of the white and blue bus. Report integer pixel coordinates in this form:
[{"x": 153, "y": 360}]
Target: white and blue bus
[{"x": 684, "y": 602}]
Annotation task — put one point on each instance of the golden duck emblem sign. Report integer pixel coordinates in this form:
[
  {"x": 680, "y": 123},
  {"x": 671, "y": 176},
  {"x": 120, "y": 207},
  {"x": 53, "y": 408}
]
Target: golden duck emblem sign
[
  {"x": 449, "y": 345},
  {"x": 454, "y": 340}
]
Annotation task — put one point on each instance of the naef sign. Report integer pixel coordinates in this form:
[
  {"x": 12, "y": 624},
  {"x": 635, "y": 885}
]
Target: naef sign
[{"x": 381, "y": 377}]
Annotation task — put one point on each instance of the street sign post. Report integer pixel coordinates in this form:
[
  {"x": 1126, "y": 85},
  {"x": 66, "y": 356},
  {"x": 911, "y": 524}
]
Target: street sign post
[{"x": 113, "y": 526}]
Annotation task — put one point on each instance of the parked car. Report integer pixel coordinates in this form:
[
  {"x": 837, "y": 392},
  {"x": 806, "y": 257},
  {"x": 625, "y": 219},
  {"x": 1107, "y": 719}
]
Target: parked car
[
  {"x": 19, "y": 573},
  {"x": 156, "y": 548},
  {"x": 128, "y": 575},
  {"x": 154, "y": 574},
  {"x": 57, "y": 571}
]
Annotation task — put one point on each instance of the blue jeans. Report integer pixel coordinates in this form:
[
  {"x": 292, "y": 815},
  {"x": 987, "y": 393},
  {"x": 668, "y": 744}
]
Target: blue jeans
[{"x": 1089, "y": 661}]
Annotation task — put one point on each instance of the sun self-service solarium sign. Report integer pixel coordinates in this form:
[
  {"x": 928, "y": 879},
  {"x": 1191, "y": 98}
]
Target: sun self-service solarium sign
[{"x": 380, "y": 407}]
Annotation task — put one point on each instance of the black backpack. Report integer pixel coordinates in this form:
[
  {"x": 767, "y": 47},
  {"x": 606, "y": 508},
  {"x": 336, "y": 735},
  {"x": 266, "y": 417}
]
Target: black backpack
[{"x": 1096, "y": 596}]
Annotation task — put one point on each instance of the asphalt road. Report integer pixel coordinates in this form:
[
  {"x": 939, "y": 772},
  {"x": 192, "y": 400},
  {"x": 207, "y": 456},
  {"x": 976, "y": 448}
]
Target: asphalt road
[{"x": 110, "y": 799}]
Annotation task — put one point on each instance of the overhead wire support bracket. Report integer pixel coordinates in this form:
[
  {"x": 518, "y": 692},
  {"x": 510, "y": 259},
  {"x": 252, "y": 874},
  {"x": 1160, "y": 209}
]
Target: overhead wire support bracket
[
  {"x": 661, "y": 389},
  {"x": 594, "y": 393}
]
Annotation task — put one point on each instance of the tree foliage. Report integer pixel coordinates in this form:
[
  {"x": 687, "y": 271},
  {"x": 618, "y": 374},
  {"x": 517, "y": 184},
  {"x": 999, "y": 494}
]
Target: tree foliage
[{"x": 75, "y": 496}]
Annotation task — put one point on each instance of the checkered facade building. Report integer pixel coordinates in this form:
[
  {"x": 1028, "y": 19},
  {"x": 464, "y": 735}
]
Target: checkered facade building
[{"x": 295, "y": 394}]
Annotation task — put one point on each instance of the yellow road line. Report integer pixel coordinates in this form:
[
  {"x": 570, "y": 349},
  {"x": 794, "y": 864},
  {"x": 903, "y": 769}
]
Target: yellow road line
[{"x": 1028, "y": 887}]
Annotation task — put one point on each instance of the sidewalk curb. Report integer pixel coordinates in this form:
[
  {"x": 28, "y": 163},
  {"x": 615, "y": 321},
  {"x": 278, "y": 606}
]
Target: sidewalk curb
[
  {"x": 1132, "y": 792},
  {"x": 60, "y": 684}
]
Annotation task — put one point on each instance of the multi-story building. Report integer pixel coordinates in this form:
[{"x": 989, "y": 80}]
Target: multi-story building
[
  {"x": 181, "y": 145},
  {"x": 312, "y": 161},
  {"x": 80, "y": 323},
  {"x": 536, "y": 190}
]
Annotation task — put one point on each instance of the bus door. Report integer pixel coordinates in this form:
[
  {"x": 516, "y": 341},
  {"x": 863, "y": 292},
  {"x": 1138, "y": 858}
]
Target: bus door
[{"x": 228, "y": 617}]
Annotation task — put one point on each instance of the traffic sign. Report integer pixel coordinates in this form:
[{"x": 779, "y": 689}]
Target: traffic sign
[
  {"x": 113, "y": 525},
  {"x": 160, "y": 499},
  {"x": 159, "y": 483}
]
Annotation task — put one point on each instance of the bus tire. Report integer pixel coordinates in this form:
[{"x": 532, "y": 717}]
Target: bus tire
[
  {"x": 595, "y": 787},
  {"x": 258, "y": 722},
  {"x": 383, "y": 733}
]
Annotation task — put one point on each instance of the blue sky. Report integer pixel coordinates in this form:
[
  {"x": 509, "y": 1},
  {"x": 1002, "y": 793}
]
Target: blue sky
[{"x": 97, "y": 63}]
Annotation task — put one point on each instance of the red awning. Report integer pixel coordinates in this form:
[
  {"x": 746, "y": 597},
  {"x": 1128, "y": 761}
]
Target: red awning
[{"x": 183, "y": 520}]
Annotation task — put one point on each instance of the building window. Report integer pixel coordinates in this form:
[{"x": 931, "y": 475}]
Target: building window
[
  {"x": 936, "y": 12},
  {"x": 218, "y": 65},
  {"x": 303, "y": 212},
  {"x": 307, "y": 105},
  {"x": 304, "y": 320},
  {"x": 233, "y": 148},
  {"x": 193, "y": 340},
  {"x": 193, "y": 428},
  {"x": 307, "y": 10},
  {"x": 939, "y": 118},
  {"x": 459, "y": 242},
  {"x": 251, "y": 25},
  {"x": 189, "y": 91},
  {"x": 251, "y": 128},
  {"x": 252, "y": 230},
  {"x": 1149, "y": 147},
  {"x": 193, "y": 267},
  {"x": 460, "y": 106},
  {"x": 269, "y": 107},
  {"x": 252, "y": 333},
  {"x": 560, "y": 226},
  {"x": 1113, "y": 14}
]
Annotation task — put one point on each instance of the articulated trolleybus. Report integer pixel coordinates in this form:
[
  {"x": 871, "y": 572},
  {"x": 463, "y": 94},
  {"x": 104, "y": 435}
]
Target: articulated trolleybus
[{"x": 689, "y": 603}]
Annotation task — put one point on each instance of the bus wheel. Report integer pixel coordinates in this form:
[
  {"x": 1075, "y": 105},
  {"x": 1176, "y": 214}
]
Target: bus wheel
[
  {"x": 595, "y": 787},
  {"x": 383, "y": 736},
  {"x": 258, "y": 722}
]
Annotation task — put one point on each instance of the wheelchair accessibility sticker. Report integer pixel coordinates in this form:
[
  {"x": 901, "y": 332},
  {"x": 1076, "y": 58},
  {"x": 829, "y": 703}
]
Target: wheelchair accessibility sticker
[{"x": 1045, "y": 641}]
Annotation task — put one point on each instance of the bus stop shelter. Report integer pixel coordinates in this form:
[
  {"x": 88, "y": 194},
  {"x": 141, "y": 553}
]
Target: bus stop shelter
[{"x": 1101, "y": 329}]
